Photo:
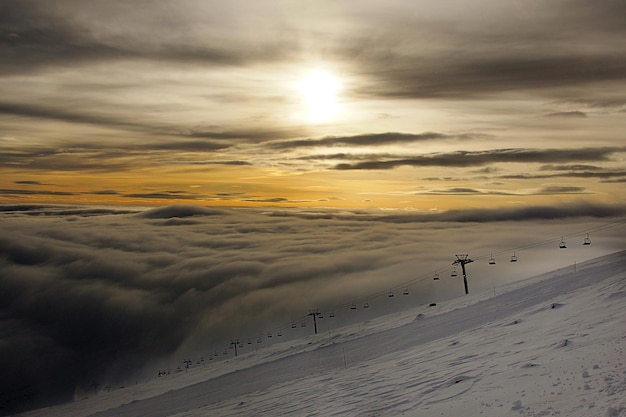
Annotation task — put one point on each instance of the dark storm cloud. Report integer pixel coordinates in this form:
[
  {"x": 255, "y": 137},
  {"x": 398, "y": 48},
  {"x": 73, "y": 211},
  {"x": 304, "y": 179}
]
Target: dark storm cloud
[
  {"x": 96, "y": 299},
  {"x": 477, "y": 158}
]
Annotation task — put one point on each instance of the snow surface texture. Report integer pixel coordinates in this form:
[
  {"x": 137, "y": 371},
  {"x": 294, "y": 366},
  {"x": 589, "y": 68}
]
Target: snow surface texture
[{"x": 553, "y": 345}]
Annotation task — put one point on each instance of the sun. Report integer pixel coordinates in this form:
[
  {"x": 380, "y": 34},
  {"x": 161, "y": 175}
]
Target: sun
[{"x": 319, "y": 91}]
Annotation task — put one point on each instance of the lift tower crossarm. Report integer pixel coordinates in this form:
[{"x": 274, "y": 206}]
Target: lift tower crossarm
[{"x": 462, "y": 260}]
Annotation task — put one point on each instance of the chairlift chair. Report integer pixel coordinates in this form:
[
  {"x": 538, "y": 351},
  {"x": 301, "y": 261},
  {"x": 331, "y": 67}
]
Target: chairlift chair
[
  {"x": 492, "y": 261},
  {"x": 391, "y": 294},
  {"x": 436, "y": 277},
  {"x": 562, "y": 244},
  {"x": 587, "y": 240},
  {"x": 405, "y": 292},
  {"x": 258, "y": 340},
  {"x": 332, "y": 314},
  {"x": 303, "y": 324},
  {"x": 453, "y": 273},
  {"x": 293, "y": 325},
  {"x": 353, "y": 306},
  {"x": 513, "y": 257},
  {"x": 280, "y": 333},
  {"x": 366, "y": 305}
]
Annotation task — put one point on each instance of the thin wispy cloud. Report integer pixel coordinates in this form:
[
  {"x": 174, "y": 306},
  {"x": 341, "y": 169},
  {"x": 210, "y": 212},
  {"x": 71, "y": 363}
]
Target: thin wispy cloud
[{"x": 471, "y": 158}]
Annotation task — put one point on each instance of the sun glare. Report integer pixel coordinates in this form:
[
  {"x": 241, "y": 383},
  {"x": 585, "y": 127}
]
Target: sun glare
[{"x": 319, "y": 95}]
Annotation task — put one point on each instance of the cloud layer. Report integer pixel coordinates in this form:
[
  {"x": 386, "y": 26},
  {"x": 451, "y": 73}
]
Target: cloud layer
[{"x": 100, "y": 295}]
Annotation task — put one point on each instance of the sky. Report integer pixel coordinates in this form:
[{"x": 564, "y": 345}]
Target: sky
[
  {"x": 173, "y": 175},
  {"x": 395, "y": 105}
]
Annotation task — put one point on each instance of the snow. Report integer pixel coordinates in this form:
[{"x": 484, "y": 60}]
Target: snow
[{"x": 552, "y": 345}]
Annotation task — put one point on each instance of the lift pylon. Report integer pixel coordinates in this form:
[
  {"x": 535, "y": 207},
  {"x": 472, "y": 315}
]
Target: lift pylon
[{"x": 463, "y": 260}]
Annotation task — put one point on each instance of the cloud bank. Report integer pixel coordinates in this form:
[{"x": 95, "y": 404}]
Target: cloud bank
[{"x": 96, "y": 296}]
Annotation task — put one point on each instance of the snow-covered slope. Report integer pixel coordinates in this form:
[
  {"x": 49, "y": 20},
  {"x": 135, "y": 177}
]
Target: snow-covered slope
[{"x": 551, "y": 345}]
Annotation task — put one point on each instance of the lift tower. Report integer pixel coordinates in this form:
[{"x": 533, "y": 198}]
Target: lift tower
[
  {"x": 462, "y": 260},
  {"x": 315, "y": 313}
]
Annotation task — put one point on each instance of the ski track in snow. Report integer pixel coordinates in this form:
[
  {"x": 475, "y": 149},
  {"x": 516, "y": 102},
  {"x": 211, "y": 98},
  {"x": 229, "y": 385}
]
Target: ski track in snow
[{"x": 549, "y": 346}]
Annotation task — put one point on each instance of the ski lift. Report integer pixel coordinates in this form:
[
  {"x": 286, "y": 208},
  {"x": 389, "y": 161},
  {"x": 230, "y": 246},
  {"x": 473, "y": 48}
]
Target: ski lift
[
  {"x": 513, "y": 257},
  {"x": 391, "y": 294},
  {"x": 436, "y": 276},
  {"x": 269, "y": 334},
  {"x": 303, "y": 324},
  {"x": 353, "y": 306},
  {"x": 405, "y": 292},
  {"x": 249, "y": 341},
  {"x": 562, "y": 244},
  {"x": 366, "y": 305},
  {"x": 280, "y": 333},
  {"x": 258, "y": 340},
  {"x": 332, "y": 314},
  {"x": 293, "y": 325},
  {"x": 587, "y": 240},
  {"x": 492, "y": 261},
  {"x": 453, "y": 273}
]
